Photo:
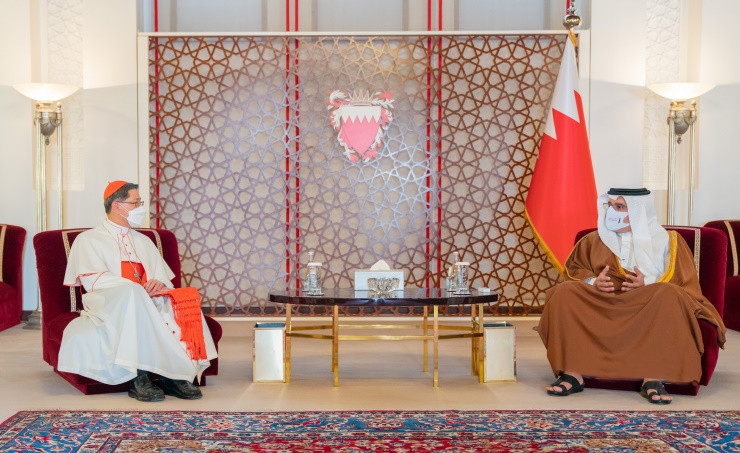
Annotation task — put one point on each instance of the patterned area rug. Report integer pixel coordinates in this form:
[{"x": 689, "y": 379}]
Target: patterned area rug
[{"x": 398, "y": 432}]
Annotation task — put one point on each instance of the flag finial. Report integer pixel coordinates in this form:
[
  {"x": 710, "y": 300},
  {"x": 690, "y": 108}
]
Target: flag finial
[{"x": 572, "y": 19}]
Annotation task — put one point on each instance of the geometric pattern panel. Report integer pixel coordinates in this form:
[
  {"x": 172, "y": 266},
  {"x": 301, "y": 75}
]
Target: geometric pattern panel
[
  {"x": 354, "y": 214},
  {"x": 217, "y": 163},
  {"x": 494, "y": 93},
  {"x": 246, "y": 169}
]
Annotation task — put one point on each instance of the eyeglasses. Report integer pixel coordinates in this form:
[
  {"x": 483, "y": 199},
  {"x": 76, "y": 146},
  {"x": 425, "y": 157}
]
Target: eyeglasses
[
  {"x": 619, "y": 207},
  {"x": 135, "y": 203}
]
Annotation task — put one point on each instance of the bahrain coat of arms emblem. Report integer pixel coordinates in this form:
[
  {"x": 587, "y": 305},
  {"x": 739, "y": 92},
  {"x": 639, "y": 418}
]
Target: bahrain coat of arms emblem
[{"x": 361, "y": 120}]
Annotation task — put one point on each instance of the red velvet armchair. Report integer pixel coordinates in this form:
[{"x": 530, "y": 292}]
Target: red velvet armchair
[
  {"x": 61, "y": 304},
  {"x": 710, "y": 257},
  {"x": 731, "y": 228},
  {"x": 12, "y": 239}
]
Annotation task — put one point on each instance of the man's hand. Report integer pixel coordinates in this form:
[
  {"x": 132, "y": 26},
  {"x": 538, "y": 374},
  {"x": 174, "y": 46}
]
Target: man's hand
[
  {"x": 603, "y": 282},
  {"x": 634, "y": 282},
  {"x": 155, "y": 287}
]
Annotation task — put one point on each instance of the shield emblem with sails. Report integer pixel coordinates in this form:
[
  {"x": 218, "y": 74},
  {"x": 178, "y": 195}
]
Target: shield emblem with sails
[{"x": 361, "y": 120}]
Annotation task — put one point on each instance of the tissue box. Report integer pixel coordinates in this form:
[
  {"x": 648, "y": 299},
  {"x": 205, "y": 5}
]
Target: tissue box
[{"x": 361, "y": 277}]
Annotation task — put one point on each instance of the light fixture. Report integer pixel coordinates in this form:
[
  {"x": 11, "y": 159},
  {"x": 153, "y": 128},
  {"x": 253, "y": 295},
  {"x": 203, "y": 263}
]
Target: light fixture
[
  {"x": 47, "y": 118},
  {"x": 681, "y": 118}
]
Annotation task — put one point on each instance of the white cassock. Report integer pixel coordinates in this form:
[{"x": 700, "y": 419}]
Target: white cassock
[{"x": 121, "y": 328}]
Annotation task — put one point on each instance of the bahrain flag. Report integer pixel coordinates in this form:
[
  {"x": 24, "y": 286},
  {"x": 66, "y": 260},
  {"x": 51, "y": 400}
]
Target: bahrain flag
[{"x": 562, "y": 194}]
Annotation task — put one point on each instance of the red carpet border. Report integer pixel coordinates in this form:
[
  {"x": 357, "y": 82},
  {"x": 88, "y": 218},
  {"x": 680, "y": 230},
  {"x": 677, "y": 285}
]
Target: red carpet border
[{"x": 381, "y": 431}]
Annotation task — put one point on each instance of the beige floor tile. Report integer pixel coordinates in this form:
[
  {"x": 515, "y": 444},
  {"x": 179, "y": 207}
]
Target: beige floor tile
[{"x": 373, "y": 376}]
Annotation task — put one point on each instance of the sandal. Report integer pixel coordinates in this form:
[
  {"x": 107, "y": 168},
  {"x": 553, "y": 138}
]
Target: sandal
[
  {"x": 659, "y": 390},
  {"x": 575, "y": 386}
]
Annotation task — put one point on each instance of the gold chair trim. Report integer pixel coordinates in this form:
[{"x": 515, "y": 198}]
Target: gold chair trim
[
  {"x": 2, "y": 246},
  {"x": 67, "y": 249},
  {"x": 697, "y": 244},
  {"x": 733, "y": 248}
]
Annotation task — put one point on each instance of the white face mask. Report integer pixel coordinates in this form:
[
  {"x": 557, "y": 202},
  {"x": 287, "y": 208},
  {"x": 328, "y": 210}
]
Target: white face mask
[
  {"x": 615, "y": 220},
  {"x": 136, "y": 216}
]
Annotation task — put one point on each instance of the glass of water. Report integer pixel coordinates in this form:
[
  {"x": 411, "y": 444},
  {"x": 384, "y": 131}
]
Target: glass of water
[
  {"x": 462, "y": 283},
  {"x": 312, "y": 278}
]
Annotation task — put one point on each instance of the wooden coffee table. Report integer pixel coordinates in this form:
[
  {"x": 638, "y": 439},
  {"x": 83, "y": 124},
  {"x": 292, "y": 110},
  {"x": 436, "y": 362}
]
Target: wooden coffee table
[{"x": 409, "y": 297}]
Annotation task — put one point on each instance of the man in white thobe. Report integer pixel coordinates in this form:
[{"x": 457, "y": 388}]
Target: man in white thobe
[{"x": 127, "y": 327}]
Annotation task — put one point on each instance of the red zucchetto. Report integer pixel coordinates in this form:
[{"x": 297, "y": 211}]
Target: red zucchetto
[{"x": 112, "y": 187}]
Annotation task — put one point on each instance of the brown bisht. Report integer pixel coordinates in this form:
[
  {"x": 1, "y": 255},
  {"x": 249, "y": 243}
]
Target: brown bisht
[{"x": 648, "y": 332}]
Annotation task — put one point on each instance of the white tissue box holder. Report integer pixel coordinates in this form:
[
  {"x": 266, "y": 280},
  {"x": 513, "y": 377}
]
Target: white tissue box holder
[
  {"x": 361, "y": 277},
  {"x": 499, "y": 342},
  {"x": 268, "y": 352}
]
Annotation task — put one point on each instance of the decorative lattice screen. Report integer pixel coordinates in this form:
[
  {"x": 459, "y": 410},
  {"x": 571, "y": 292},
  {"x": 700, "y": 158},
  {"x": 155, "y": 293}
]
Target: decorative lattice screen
[{"x": 247, "y": 171}]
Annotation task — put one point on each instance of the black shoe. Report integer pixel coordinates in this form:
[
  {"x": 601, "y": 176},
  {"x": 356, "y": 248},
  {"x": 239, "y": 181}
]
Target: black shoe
[
  {"x": 181, "y": 389},
  {"x": 143, "y": 389},
  {"x": 575, "y": 386},
  {"x": 658, "y": 390}
]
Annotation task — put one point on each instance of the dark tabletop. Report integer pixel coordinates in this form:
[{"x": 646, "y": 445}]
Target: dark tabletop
[{"x": 409, "y": 297}]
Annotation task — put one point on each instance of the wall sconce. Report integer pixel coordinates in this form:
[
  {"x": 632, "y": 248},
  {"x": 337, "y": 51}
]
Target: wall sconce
[
  {"x": 47, "y": 118},
  {"x": 681, "y": 118}
]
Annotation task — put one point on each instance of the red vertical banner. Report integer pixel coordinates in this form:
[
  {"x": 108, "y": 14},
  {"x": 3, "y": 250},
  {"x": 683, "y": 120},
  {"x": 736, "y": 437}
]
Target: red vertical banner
[
  {"x": 428, "y": 179},
  {"x": 434, "y": 47},
  {"x": 287, "y": 146},
  {"x": 440, "y": 269},
  {"x": 292, "y": 99},
  {"x": 158, "y": 206},
  {"x": 562, "y": 194}
]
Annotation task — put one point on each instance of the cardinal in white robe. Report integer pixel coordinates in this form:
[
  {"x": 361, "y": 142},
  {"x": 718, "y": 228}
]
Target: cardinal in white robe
[{"x": 128, "y": 326}]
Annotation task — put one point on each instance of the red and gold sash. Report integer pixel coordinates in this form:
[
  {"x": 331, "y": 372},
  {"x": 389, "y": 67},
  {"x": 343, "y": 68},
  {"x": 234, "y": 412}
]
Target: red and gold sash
[{"x": 186, "y": 305}]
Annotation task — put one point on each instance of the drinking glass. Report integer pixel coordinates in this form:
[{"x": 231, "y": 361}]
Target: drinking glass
[{"x": 462, "y": 285}]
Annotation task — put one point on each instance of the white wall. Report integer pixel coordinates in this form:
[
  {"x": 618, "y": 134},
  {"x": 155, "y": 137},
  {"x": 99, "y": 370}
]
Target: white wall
[
  {"x": 18, "y": 200},
  {"x": 109, "y": 104},
  {"x": 716, "y": 196},
  {"x": 617, "y": 92},
  {"x": 617, "y": 102},
  {"x": 203, "y": 16},
  {"x": 497, "y": 15}
]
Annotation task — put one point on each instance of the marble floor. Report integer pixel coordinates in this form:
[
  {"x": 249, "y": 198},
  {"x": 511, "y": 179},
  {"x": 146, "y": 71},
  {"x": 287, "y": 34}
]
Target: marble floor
[{"x": 373, "y": 376}]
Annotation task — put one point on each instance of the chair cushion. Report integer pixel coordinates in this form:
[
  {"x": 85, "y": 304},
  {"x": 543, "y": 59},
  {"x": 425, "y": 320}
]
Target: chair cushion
[
  {"x": 12, "y": 241},
  {"x": 732, "y": 303},
  {"x": 9, "y": 313},
  {"x": 712, "y": 252},
  {"x": 54, "y": 333}
]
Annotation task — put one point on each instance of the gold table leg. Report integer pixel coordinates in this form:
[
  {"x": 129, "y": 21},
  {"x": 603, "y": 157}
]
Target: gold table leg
[
  {"x": 473, "y": 344},
  {"x": 426, "y": 343},
  {"x": 476, "y": 329},
  {"x": 335, "y": 344},
  {"x": 436, "y": 346},
  {"x": 481, "y": 345},
  {"x": 286, "y": 352}
]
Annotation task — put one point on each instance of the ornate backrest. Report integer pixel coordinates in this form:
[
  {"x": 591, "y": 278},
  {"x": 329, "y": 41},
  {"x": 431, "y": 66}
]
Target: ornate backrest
[
  {"x": 709, "y": 247},
  {"x": 52, "y": 251},
  {"x": 732, "y": 229}
]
